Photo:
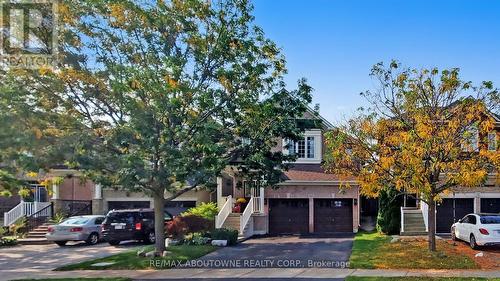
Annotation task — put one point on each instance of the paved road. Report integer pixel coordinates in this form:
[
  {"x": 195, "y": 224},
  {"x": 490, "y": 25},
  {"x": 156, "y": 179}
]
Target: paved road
[
  {"x": 248, "y": 279},
  {"x": 32, "y": 257},
  {"x": 283, "y": 252}
]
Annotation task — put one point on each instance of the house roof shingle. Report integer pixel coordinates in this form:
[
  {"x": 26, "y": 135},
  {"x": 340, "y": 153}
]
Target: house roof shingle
[{"x": 310, "y": 172}]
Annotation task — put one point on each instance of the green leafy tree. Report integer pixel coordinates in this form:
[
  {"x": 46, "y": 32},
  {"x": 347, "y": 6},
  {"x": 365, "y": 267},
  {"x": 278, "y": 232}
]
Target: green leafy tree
[
  {"x": 170, "y": 93},
  {"x": 35, "y": 135}
]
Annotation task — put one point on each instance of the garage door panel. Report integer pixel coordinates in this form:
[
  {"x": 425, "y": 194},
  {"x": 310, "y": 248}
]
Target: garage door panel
[
  {"x": 288, "y": 216},
  {"x": 490, "y": 205},
  {"x": 451, "y": 210},
  {"x": 333, "y": 215}
]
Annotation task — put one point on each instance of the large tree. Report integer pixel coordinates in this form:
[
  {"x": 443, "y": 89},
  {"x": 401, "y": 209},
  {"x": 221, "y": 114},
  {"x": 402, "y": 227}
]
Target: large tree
[
  {"x": 170, "y": 93},
  {"x": 418, "y": 135},
  {"x": 34, "y": 136}
]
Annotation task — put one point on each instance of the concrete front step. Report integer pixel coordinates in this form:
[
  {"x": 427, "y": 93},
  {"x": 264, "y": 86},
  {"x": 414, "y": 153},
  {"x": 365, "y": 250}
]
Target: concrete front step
[
  {"x": 33, "y": 241},
  {"x": 31, "y": 235},
  {"x": 413, "y": 233},
  {"x": 415, "y": 229}
]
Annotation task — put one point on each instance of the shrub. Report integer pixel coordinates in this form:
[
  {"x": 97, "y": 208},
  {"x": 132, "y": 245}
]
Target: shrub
[
  {"x": 3, "y": 231},
  {"x": 196, "y": 238},
  {"x": 231, "y": 235},
  {"x": 204, "y": 210},
  {"x": 19, "y": 226},
  {"x": 389, "y": 214},
  {"x": 182, "y": 225},
  {"x": 58, "y": 218},
  {"x": 8, "y": 241}
]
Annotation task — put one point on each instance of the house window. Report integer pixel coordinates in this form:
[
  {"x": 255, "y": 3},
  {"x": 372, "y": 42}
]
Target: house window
[
  {"x": 251, "y": 188},
  {"x": 310, "y": 147},
  {"x": 307, "y": 150},
  {"x": 246, "y": 141},
  {"x": 471, "y": 139},
  {"x": 304, "y": 148},
  {"x": 301, "y": 149},
  {"x": 492, "y": 141}
]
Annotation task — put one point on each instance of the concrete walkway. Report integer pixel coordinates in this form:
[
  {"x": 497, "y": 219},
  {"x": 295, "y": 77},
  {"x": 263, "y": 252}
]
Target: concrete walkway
[{"x": 247, "y": 273}]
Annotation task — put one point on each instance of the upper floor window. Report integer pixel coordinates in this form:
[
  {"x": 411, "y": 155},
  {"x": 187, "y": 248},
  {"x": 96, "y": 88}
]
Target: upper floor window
[
  {"x": 308, "y": 149},
  {"x": 471, "y": 139},
  {"x": 492, "y": 141}
]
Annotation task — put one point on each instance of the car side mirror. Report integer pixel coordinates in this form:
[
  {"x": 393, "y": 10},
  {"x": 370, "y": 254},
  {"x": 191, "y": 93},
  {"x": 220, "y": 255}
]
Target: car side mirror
[{"x": 460, "y": 220}]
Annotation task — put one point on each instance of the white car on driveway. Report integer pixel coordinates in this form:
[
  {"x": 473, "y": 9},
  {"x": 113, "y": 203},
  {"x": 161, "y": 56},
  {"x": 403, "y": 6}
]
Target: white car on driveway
[
  {"x": 80, "y": 228},
  {"x": 477, "y": 230}
]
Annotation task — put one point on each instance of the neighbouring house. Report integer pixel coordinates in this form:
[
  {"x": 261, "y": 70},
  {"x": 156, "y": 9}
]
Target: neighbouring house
[
  {"x": 72, "y": 195},
  {"x": 78, "y": 196},
  {"x": 307, "y": 201},
  {"x": 108, "y": 199},
  {"x": 460, "y": 201}
]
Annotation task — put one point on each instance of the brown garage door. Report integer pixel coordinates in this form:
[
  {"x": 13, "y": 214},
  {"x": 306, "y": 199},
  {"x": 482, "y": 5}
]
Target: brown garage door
[
  {"x": 333, "y": 215},
  {"x": 451, "y": 210},
  {"x": 490, "y": 205},
  {"x": 288, "y": 216}
]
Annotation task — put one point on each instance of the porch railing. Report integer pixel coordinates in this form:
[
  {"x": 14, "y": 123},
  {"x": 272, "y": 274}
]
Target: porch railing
[
  {"x": 425, "y": 214},
  {"x": 40, "y": 217},
  {"x": 402, "y": 220},
  {"x": 247, "y": 213},
  {"x": 21, "y": 210},
  {"x": 224, "y": 212}
]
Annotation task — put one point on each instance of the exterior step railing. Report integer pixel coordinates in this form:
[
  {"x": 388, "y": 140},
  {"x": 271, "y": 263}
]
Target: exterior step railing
[
  {"x": 23, "y": 209},
  {"x": 224, "y": 212}
]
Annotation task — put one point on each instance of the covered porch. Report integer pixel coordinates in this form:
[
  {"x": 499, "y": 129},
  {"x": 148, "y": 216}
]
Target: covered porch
[{"x": 241, "y": 206}]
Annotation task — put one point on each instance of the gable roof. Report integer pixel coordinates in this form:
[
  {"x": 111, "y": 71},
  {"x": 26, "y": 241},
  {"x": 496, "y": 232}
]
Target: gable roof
[{"x": 327, "y": 125}]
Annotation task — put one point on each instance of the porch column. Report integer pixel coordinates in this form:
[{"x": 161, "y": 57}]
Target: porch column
[
  {"x": 220, "y": 202},
  {"x": 55, "y": 191},
  {"x": 56, "y": 198},
  {"x": 261, "y": 199},
  {"x": 477, "y": 203},
  {"x": 97, "y": 201},
  {"x": 97, "y": 191}
]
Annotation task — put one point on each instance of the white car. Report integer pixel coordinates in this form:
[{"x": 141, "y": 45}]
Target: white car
[{"x": 478, "y": 230}]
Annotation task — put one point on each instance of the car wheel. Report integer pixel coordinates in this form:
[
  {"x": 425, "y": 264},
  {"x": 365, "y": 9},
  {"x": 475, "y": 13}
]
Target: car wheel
[
  {"x": 92, "y": 239},
  {"x": 61, "y": 243},
  {"x": 453, "y": 235},
  {"x": 114, "y": 242},
  {"x": 472, "y": 242},
  {"x": 150, "y": 238}
]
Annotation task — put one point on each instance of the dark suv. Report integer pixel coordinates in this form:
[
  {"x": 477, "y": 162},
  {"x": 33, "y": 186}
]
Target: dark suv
[{"x": 130, "y": 224}]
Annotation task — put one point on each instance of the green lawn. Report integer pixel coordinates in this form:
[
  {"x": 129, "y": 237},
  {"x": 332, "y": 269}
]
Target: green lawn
[
  {"x": 355, "y": 278},
  {"x": 374, "y": 250},
  {"x": 130, "y": 260}
]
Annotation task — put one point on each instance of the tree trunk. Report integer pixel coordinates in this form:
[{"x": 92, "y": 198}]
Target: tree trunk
[
  {"x": 159, "y": 206},
  {"x": 431, "y": 215}
]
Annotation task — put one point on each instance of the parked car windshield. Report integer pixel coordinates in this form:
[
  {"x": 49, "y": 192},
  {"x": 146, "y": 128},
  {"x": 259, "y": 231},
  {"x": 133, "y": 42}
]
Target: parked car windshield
[
  {"x": 490, "y": 219},
  {"x": 75, "y": 221}
]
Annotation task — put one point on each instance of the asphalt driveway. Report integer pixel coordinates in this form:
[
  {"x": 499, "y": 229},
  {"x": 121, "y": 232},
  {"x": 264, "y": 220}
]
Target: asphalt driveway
[{"x": 331, "y": 251}]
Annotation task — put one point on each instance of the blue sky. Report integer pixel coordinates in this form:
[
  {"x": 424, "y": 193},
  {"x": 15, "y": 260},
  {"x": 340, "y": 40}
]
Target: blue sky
[{"x": 334, "y": 43}]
